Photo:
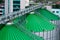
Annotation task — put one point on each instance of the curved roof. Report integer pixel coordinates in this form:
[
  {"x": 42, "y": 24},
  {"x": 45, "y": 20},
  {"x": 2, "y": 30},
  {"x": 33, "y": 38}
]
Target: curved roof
[
  {"x": 38, "y": 24},
  {"x": 10, "y": 32},
  {"x": 47, "y": 14}
]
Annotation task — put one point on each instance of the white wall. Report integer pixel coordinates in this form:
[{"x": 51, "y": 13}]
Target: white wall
[
  {"x": 26, "y": 2},
  {"x": 22, "y": 4},
  {"x": 56, "y": 11},
  {"x": 8, "y": 6},
  {"x": 49, "y": 8}
]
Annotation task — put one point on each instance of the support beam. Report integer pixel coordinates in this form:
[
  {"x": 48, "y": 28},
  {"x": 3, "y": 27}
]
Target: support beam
[{"x": 8, "y": 6}]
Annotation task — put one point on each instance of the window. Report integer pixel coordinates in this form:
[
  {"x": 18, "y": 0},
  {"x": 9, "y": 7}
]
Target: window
[
  {"x": 56, "y": 6},
  {"x": 57, "y": 11},
  {"x": 16, "y": 2},
  {"x": 53, "y": 11}
]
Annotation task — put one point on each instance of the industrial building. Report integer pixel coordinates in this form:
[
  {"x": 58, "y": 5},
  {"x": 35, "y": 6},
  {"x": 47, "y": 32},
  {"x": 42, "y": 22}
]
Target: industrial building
[{"x": 29, "y": 20}]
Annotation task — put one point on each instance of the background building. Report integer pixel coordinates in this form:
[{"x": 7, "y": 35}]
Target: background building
[{"x": 16, "y": 5}]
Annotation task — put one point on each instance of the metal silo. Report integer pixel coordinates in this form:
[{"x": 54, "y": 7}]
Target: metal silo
[
  {"x": 11, "y": 32},
  {"x": 51, "y": 17},
  {"x": 19, "y": 22}
]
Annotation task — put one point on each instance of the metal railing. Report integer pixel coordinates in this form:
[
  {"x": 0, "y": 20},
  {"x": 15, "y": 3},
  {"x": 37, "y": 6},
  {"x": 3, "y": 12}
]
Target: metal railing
[{"x": 6, "y": 18}]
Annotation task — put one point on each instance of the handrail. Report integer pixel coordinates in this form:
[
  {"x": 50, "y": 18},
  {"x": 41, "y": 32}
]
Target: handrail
[{"x": 6, "y": 18}]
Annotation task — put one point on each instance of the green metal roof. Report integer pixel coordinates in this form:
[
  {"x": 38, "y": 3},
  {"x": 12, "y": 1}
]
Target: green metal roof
[
  {"x": 16, "y": 20},
  {"x": 25, "y": 31},
  {"x": 38, "y": 24},
  {"x": 47, "y": 14},
  {"x": 10, "y": 32}
]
